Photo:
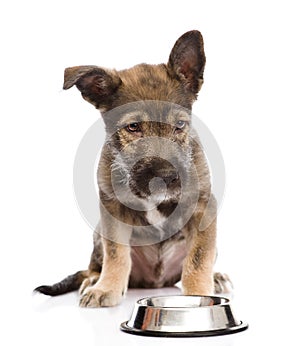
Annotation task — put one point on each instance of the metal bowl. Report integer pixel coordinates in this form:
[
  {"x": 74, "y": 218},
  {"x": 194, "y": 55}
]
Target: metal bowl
[{"x": 183, "y": 316}]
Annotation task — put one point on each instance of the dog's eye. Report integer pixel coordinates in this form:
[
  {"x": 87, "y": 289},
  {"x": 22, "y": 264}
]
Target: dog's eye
[
  {"x": 180, "y": 125},
  {"x": 133, "y": 127}
]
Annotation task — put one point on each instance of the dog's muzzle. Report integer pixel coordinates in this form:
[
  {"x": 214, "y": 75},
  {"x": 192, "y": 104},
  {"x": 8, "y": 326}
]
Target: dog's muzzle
[{"x": 152, "y": 175}]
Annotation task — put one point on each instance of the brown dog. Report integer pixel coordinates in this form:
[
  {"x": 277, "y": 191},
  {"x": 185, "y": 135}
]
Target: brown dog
[{"x": 158, "y": 216}]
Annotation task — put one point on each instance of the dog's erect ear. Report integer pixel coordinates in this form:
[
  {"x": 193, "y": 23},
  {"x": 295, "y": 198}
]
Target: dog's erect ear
[
  {"x": 187, "y": 60},
  {"x": 95, "y": 84}
]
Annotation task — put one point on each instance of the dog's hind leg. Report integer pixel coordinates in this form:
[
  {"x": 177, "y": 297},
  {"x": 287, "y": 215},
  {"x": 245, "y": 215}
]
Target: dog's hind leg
[
  {"x": 89, "y": 281},
  {"x": 223, "y": 284}
]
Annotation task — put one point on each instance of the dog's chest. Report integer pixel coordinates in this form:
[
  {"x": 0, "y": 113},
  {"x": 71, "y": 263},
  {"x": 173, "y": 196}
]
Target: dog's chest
[
  {"x": 154, "y": 216},
  {"x": 159, "y": 264}
]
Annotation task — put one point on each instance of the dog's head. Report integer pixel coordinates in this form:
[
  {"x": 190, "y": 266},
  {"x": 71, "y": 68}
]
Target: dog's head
[{"x": 147, "y": 113}]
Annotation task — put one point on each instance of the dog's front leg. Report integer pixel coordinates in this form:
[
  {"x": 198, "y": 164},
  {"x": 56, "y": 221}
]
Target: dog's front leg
[
  {"x": 113, "y": 281},
  {"x": 197, "y": 273}
]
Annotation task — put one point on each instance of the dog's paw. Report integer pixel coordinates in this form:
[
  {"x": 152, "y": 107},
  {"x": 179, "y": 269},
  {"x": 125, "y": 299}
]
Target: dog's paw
[
  {"x": 94, "y": 297},
  {"x": 222, "y": 283}
]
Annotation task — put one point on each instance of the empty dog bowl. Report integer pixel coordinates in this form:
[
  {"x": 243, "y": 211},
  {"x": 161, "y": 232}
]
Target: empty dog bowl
[{"x": 183, "y": 316}]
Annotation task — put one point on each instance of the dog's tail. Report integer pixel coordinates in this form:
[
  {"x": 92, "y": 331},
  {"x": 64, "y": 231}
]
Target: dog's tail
[{"x": 69, "y": 284}]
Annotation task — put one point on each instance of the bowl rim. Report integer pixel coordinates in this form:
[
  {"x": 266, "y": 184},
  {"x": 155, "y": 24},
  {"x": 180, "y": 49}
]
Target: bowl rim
[{"x": 223, "y": 302}]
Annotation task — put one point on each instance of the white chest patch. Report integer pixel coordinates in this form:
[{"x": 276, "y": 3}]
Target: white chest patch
[{"x": 153, "y": 216}]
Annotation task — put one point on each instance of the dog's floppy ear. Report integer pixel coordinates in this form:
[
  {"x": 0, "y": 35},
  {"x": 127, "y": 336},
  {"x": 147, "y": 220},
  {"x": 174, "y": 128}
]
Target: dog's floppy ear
[
  {"x": 187, "y": 60},
  {"x": 97, "y": 85}
]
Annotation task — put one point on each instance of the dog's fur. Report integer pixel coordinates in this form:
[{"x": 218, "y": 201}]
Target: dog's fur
[{"x": 188, "y": 254}]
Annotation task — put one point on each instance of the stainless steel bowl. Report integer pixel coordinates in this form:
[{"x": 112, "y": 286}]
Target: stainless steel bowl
[{"x": 183, "y": 316}]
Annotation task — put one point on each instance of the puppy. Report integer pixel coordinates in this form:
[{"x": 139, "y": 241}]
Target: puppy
[{"x": 158, "y": 216}]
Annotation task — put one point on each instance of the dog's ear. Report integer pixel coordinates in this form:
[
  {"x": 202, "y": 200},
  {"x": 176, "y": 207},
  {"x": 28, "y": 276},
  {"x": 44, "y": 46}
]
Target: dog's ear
[
  {"x": 187, "y": 60},
  {"x": 97, "y": 85}
]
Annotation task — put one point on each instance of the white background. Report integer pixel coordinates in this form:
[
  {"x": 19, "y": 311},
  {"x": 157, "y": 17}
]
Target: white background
[{"x": 250, "y": 102}]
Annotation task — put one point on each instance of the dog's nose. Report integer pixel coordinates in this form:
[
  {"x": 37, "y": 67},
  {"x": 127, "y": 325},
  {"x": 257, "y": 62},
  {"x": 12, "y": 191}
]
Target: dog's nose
[{"x": 167, "y": 175}]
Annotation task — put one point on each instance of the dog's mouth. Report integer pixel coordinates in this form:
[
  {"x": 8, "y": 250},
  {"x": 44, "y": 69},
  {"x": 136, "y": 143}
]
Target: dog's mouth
[{"x": 155, "y": 178}]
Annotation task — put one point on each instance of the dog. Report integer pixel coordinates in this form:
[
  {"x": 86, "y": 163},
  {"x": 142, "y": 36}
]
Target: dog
[{"x": 158, "y": 215}]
